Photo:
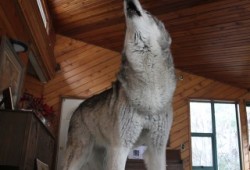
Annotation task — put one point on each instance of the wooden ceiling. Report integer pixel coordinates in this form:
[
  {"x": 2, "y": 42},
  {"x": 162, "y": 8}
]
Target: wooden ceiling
[{"x": 211, "y": 38}]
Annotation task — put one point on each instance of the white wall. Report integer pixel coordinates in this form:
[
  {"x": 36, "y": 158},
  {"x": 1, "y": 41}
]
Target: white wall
[{"x": 68, "y": 107}]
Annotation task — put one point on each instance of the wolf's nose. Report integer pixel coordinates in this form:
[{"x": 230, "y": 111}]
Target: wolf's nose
[
  {"x": 129, "y": 1},
  {"x": 132, "y": 8}
]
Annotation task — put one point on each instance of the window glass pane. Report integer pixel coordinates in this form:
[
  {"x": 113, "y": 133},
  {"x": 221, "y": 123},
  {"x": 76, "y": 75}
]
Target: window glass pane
[
  {"x": 201, "y": 117},
  {"x": 202, "y": 151},
  {"x": 227, "y": 136},
  {"x": 248, "y": 120},
  {"x": 43, "y": 15}
]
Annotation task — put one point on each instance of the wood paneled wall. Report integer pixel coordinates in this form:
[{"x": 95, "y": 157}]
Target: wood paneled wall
[
  {"x": 87, "y": 70},
  {"x": 17, "y": 23},
  {"x": 42, "y": 41},
  {"x": 197, "y": 87},
  {"x": 33, "y": 86}
]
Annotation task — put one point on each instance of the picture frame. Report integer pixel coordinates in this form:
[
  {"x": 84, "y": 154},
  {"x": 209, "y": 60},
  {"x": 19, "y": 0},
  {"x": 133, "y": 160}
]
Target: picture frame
[
  {"x": 11, "y": 70},
  {"x": 7, "y": 99}
]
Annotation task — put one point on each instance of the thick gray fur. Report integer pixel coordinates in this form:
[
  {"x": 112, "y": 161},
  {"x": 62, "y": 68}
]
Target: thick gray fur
[{"x": 137, "y": 110}]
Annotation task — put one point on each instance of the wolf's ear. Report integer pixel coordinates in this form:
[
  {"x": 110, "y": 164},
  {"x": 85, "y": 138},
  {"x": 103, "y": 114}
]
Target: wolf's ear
[{"x": 165, "y": 39}]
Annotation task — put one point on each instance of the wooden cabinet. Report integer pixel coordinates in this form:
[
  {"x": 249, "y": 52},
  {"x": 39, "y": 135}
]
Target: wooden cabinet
[{"x": 23, "y": 139}]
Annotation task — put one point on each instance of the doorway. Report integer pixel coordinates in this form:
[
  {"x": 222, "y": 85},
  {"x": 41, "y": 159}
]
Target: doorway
[{"x": 68, "y": 106}]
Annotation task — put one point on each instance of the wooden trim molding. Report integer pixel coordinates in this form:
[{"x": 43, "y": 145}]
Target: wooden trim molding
[{"x": 42, "y": 42}]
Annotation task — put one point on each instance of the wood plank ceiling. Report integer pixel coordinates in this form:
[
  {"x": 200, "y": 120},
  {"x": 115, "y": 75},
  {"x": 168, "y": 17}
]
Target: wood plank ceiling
[{"x": 211, "y": 38}]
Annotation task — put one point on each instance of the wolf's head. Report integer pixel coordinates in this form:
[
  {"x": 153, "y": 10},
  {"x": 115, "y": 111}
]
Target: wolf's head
[
  {"x": 147, "y": 69},
  {"x": 143, "y": 29}
]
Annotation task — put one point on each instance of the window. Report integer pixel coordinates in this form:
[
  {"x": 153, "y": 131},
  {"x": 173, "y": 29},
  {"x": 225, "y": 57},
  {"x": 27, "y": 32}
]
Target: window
[
  {"x": 248, "y": 120},
  {"x": 215, "y": 135},
  {"x": 44, "y": 14}
]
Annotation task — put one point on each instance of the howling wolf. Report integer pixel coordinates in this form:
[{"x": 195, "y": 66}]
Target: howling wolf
[{"x": 137, "y": 110}]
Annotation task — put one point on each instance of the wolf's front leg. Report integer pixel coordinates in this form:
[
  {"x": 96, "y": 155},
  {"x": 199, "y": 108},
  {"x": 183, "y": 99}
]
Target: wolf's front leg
[
  {"x": 117, "y": 157},
  {"x": 79, "y": 146},
  {"x": 155, "y": 155},
  {"x": 155, "y": 158}
]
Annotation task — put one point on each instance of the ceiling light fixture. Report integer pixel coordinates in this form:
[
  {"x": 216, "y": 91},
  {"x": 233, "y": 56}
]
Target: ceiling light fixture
[{"x": 19, "y": 46}]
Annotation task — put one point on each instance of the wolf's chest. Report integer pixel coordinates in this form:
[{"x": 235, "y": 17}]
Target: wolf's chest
[{"x": 149, "y": 99}]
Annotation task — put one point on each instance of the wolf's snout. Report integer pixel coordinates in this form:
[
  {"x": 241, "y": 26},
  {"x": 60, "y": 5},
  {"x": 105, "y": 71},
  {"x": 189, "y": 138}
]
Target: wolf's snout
[{"x": 132, "y": 8}]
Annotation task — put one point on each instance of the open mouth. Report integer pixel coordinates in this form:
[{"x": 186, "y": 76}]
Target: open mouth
[{"x": 132, "y": 9}]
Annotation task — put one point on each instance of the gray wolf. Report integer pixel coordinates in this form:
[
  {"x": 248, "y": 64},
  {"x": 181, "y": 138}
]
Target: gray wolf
[{"x": 137, "y": 110}]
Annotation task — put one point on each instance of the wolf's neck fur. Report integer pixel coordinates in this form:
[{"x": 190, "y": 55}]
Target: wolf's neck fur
[{"x": 147, "y": 75}]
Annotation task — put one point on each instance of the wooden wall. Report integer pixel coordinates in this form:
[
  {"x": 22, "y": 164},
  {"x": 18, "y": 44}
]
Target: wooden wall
[
  {"x": 17, "y": 23},
  {"x": 196, "y": 87},
  {"x": 42, "y": 41},
  {"x": 33, "y": 86},
  {"x": 87, "y": 70}
]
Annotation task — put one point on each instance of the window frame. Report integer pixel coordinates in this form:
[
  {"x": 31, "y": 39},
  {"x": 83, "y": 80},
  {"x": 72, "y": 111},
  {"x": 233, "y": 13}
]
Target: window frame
[
  {"x": 248, "y": 124},
  {"x": 213, "y": 134},
  {"x": 43, "y": 10}
]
